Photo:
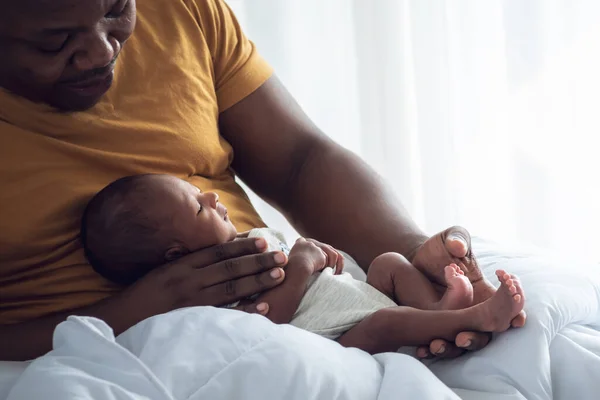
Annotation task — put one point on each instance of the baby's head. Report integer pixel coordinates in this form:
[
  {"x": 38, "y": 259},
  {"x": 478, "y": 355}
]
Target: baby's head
[{"x": 140, "y": 222}]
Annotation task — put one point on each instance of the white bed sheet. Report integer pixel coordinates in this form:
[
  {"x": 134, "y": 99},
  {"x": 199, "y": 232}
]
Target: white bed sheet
[{"x": 201, "y": 353}]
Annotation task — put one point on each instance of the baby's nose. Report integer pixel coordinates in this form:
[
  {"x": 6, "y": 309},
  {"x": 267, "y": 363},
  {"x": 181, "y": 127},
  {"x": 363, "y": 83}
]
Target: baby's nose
[{"x": 213, "y": 198}]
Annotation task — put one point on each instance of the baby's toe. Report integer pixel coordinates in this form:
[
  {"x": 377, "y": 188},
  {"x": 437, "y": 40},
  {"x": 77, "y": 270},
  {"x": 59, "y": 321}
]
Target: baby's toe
[
  {"x": 516, "y": 280},
  {"x": 517, "y": 298},
  {"x": 502, "y": 275}
]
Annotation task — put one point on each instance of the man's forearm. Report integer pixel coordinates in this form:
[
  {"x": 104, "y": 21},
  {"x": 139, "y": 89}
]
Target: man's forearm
[
  {"x": 31, "y": 339},
  {"x": 337, "y": 198}
]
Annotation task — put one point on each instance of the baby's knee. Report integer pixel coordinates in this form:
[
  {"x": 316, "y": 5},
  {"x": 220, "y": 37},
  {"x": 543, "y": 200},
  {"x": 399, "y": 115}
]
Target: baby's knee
[
  {"x": 387, "y": 264},
  {"x": 391, "y": 261}
]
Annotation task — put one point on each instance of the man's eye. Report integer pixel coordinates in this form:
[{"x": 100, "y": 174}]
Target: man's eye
[{"x": 54, "y": 48}]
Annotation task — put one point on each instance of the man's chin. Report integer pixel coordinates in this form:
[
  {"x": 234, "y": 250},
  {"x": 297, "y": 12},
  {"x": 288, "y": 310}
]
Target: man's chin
[
  {"x": 73, "y": 97},
  {"x": 66, "y": 105},
  {"x": 61, "y": 98},
  {"x": 71, "y": 101}
]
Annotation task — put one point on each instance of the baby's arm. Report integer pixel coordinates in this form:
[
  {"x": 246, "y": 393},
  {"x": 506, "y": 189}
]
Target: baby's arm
[
  {"x": 306, "y": 258},
  {"x": 284, "y": 299}
]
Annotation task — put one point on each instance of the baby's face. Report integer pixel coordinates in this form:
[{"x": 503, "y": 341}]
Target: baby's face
[{"x": 191, "y": 216}]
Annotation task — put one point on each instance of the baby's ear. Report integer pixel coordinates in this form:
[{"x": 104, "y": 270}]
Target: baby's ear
[{"x": 175, "y": 253}]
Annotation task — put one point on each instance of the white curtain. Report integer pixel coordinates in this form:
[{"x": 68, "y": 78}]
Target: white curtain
[{"x": 483, "y": 113}]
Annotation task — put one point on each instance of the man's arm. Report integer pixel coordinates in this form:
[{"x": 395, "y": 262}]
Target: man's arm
[
  {"x": 326, "y": 191},
  {"x": 330, "y": 194}
]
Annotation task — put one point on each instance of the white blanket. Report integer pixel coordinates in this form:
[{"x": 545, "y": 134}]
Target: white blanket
[{"x": 209, "y": 353}]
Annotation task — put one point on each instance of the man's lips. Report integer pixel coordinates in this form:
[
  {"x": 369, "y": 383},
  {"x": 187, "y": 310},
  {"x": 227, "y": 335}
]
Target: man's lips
[
  {"x": 92, "y": 74},
  {"x": 93, "y": 87},
  {"x": 91, "y": 81}
]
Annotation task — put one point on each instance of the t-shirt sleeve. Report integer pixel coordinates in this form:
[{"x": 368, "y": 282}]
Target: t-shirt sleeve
[{"x": 238, "y": 68}]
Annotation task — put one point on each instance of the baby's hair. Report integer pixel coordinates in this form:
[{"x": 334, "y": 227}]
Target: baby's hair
[{"x": 118, "y": 237}]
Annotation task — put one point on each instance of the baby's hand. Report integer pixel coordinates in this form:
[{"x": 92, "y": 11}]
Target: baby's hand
[{"x": 321, "y": 255}]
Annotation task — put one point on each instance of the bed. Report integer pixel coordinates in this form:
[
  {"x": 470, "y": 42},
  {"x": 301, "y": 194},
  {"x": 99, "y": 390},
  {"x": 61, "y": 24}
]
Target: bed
[{"x": 210, "y": 353}]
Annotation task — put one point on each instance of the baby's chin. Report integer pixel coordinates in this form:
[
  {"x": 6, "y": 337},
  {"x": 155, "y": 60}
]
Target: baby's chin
[
  {"x": 226, "y": 231},
  {"x": 233, "y": 233}
]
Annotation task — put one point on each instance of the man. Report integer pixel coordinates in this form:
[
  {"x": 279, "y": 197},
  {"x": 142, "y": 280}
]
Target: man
[{"x": 187, "y": 95}]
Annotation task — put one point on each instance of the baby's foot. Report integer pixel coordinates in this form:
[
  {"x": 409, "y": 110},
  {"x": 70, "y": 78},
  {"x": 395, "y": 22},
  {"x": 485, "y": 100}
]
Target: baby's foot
[
  {"x": 460, "y": 291},
  {"x": 499, "y": 310}
]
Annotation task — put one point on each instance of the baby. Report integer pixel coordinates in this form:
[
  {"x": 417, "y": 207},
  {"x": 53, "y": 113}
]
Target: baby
[{"x": 140, "y": 222}]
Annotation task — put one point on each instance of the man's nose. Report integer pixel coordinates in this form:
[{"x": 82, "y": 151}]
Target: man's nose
[{"x": 98, "y": 49}]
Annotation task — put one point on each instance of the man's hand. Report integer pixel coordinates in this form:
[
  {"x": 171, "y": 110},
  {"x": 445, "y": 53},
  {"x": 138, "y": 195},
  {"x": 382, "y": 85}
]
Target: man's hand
[
  {"x": 454, "y": 246},
  {"x": 214, "y": 276},
  {"x": 319, "y": 255}
]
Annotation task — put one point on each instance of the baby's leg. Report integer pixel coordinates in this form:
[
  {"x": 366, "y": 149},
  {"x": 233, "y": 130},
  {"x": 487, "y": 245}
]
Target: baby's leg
[
  {"x": 391, "y": 328},
  {"x": 394, "y": 276}
]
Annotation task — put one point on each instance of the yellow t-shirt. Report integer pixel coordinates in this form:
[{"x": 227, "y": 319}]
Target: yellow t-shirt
[{"x": 186, "y": 62}]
